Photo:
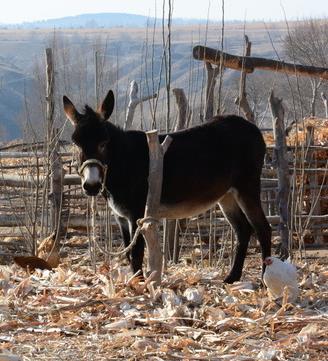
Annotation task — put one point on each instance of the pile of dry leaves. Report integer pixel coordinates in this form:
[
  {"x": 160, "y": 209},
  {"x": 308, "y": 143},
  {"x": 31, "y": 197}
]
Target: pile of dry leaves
[
  {"x": 297, "y": 134},
  {"x": 73, "y": 313}
]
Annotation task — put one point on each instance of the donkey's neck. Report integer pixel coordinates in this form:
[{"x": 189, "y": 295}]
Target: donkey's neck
[{"x": 127, "y": 144}]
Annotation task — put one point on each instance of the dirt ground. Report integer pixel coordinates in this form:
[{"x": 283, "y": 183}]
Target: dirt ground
[{"x": 72, "y": 313}]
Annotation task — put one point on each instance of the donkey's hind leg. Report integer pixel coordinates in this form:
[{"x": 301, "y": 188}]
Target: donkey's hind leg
[
  {"x": 248, "y": 199},
  {"x": 243, "y": 231}
]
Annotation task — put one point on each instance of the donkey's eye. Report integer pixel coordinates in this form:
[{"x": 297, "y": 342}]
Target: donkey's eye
[
  {"x": 102, "y": 147},
  {"x": 75, "y": 143}
]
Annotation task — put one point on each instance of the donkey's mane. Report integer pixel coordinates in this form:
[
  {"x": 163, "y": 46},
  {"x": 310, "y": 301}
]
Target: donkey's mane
[
  {"x": 89, "y": 114},
  {"x": 88, "y": 111}
]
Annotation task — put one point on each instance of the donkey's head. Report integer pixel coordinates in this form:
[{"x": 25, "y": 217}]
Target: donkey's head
[{"x": 91, "y": 136}]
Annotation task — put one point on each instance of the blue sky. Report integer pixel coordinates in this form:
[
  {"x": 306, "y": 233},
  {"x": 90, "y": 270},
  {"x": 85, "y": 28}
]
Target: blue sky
[{"x": 16, "y": 11}]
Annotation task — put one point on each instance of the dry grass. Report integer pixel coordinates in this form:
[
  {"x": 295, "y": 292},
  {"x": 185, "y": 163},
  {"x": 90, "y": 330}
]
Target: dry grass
[{"x": 72, "y": 313}]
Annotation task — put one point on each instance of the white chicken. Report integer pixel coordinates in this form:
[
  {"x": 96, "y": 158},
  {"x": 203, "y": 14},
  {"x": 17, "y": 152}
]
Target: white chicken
[{"x": 278, "y": 275}]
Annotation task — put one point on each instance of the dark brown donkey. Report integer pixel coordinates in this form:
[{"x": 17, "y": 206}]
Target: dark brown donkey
[{"x": 219, "y": 161}]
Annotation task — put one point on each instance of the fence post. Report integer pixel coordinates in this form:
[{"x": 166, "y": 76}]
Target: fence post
[
  {"x": 56, "y": 191},
  {"x": 212, "y": 73},
  {"x": 315, "y": 208},
  {"x": 283, "y": 172},
  {"x": 241, "y": 100},
  {"x": 325, "y": 103},
  {"x": 184, "y": 112},
  {"x": 171, "y": 227},
  {"x": 134, "y": 100},
  {"x": 150, "y": 222},
  {"x": 50, "y": 104},
  {"x": 55, "y": 164}
]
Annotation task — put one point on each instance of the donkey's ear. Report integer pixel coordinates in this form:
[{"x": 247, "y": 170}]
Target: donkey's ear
[
  {"x": 107, "y": 106},
  {"x": 70, "y": 111}
]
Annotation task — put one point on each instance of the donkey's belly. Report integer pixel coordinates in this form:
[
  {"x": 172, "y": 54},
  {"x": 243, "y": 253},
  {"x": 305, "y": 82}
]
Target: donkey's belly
[
  {"x": 185, "y": 209},
  {"x": 192, "y": 200}
]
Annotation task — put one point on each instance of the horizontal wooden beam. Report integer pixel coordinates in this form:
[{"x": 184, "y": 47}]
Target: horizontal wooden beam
[
  {"x": 20, "y": 220},
  {"x": 74, "y": 179},
  {"x": 38, "y": 154},
  {"x": 249, "y": 63},
  {"x": 82, "y": 221},
  {"x": 11, "y": 180},
  {"x": 273, "y": 220}
]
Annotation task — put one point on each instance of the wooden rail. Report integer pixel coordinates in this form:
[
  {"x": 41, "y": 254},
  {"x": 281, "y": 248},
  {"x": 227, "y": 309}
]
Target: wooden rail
[
  {"x": 28, "y": 181},
  {"x": 18, "y": 155},
  {"x": 249, "y": 63}
]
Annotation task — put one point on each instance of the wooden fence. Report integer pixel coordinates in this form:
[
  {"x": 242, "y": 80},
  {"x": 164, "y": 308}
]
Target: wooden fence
[
  {"x": 24, "y": 204},
  {"x": 40, "y": 192}
]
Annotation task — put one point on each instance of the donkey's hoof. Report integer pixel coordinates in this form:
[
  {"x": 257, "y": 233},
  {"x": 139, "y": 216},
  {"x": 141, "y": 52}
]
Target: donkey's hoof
[{"x": 231, "y": 279}]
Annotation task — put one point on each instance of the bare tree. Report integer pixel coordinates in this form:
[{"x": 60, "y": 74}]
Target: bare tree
[{"x": 307, "y": 44}]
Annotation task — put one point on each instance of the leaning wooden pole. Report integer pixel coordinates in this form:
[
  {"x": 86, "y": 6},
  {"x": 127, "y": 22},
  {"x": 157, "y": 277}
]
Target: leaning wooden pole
[
  {"x": 283, "y": 171},
  {"x": 249, "y": 64},
  {"x": 150, "y": 222}
]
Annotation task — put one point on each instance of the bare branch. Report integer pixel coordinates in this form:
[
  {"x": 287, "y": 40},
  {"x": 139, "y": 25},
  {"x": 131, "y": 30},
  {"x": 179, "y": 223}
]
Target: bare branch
[{"x": 134, "y": 100}]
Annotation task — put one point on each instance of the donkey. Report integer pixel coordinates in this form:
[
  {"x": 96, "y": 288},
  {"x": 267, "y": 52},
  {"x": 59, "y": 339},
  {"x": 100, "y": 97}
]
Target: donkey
[{"x": 217, "y": 162}]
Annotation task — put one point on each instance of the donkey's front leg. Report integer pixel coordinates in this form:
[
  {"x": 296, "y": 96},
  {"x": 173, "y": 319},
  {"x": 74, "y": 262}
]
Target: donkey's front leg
[
  {"x": 135, "y": 255},
  {"x": 137, "y": 251},
  {"x": 123, "y": 224}
]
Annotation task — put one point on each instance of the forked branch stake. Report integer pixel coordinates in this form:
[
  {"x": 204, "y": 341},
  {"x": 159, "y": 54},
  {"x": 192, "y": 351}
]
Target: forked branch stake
[{"x": 150, "y": 222}]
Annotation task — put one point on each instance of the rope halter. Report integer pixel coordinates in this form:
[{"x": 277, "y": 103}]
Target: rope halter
[{"x": 98, "y": 163}]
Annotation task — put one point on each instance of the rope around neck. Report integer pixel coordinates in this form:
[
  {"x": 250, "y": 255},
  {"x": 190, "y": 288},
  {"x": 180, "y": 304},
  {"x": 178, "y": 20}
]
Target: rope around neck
[{"x": 140, "y": 223}]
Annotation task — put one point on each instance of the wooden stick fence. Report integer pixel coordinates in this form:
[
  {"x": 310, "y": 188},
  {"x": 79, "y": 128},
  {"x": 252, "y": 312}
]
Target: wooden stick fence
[
  {"x": 68, "y": 189},
  {"x": 62, "y": 189}
]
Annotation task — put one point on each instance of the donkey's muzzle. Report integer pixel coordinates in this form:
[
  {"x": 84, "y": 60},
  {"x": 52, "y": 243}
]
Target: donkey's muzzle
[
  {"x": 91, "y": 189},
  {"x": 93, "y": 173}
]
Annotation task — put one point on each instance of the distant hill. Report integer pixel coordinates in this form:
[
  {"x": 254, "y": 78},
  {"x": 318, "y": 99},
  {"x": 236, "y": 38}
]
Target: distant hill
[
  {"x": 102, "y": 20},
  {"x": 13, "y": 81},
  {"x": 124, "y": 55}
]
